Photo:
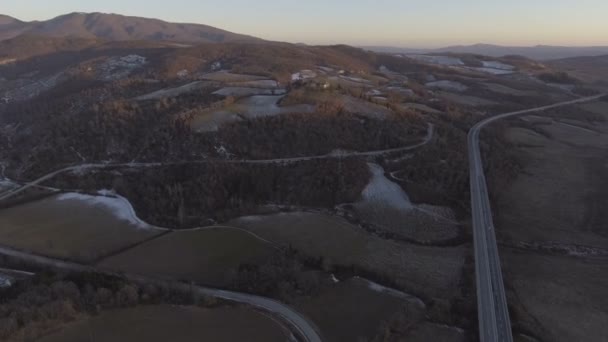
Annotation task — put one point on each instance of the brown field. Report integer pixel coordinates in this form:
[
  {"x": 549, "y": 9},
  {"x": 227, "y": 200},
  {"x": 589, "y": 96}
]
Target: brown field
[
  {"x": 68, "y": 229},
  {"x": 559, "y": 198},
  {"x": 338, "y": 310},
  {"x": 173, "y": 323},
  {"x": 222, "y": 76},
  {"x": 210, "y": 256},
  {"x": 430, "y": 271}
]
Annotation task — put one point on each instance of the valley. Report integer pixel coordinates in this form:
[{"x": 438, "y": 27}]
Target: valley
[{"x": 278, "y": 192}]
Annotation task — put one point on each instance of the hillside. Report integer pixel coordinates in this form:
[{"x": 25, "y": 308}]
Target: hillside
[
  {"x": 592, "y": 69},
  {"x": 117, "y": 27}
]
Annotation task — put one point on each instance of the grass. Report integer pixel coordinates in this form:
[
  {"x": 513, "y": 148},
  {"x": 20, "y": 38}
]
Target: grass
[
  {"x": 67, "y": 229},
  {"x": 337, "y": 310},
  {"x": 210, "y": 256},
  {"x": 557, "y": 198},
  {"x": 173, "y": 323},
  {"x": 424, "y": 271}
]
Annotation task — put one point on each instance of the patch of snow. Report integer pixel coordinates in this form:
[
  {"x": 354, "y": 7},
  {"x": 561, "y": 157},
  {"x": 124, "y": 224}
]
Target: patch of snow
[
  {"x": 382, "y": 191},
  {"x": 117, "y": 68},
  {"x": 497, "y": 65},
  {"x": 395, "y": 293},
  {"x": 183, "y": 73},
  {"x": 355, "y": 79},
  {"x": 120, "y": 207},
  {"x": 326, "y": 69},
  {"x": 303, "y": 75},
  {"x": 448, "y": 85},
  {"x": 374, "y": 92},
  {"x": 401, "y": 90},
  {"x": 5, "y": 281},
  {"x": 334, "y": 279},
  {"x": 494, "y": 71},
  {"x": 216, "y": 66}
]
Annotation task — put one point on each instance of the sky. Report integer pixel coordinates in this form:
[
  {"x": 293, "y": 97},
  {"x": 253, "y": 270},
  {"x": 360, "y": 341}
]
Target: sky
[{"x": 402, "y": 23}]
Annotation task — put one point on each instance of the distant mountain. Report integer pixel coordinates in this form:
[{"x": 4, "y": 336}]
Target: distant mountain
[
  {"x": 539, "y": 52},
  {"x": 117, "y": 28}
]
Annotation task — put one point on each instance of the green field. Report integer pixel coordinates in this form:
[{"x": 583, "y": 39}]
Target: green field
[
  {"x": 69, "y": 229},
  {"x": 172, "y": 323},
  {"x": 210, "y": 256}
]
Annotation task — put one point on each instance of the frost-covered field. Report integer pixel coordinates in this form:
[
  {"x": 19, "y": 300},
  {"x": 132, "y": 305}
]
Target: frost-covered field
[
  {"x": 172, "y": 92},
  {"x": 257, "y": 84},
  {"x": 385, "y": 205},
  {"x": 249, "y": 107},
  {"x": 72, "y": 226},
  {"x": 383, "y": 193}
]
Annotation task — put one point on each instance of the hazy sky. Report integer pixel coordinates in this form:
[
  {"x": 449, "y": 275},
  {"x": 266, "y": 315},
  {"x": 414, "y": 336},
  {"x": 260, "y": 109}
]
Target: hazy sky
[{"x": 416, "y": 23}]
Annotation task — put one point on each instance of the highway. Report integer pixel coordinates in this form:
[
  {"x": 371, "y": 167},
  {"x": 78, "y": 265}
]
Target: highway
[{"x": 493, "y": 312}]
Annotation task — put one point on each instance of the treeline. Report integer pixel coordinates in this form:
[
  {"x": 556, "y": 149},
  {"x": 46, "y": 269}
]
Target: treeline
[
  {"x": 437, "y": 173},
  {"x": 35, "y": 307},
  {"x": 191, "y": 195},
  {"x": 318, "y": 134}
]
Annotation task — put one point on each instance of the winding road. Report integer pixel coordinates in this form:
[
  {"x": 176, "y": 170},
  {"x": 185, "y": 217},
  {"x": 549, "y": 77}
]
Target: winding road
[
  {"x": 84, "y": 167},
  {"x": 493, "y": 312},
  {"x": 297, "y": 322}
]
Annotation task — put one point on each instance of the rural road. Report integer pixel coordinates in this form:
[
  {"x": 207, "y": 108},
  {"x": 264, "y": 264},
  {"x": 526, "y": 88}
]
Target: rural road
[
  {"x": 298, "y": 323},
  {"x": 83, "y": 167},
  {"x": 493, "y": 312}
]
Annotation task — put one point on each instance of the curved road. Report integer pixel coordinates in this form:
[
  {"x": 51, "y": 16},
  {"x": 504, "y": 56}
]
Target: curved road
[
  {"x": 82, "y": 167},
  {"x": 298, "y": 323},
  {"x": 493, "y": 312}
]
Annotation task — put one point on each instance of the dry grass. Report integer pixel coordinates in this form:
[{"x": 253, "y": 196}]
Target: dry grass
[
  {"x": 559, "y": 197},
  {"x": 428, "y": 271},
  {"x": 68, "y": 229},
  {"x": 210, "y": 256},
  {"x": 173, "y": 323}
]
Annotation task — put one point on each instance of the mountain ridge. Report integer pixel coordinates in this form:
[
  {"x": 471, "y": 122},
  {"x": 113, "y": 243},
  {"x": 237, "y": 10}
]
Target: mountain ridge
[{"x": 118, "y": 27}]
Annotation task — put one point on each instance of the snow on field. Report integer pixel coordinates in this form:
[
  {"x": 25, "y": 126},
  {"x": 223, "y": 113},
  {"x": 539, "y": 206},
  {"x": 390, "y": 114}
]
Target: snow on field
[
  {"x": 246, "y": 91},
  {"x": 447, "y": 85},
  {"x": 118, "y": 206},
  {"x": 326, "y": 70},
  {"x": 439, "y": 60},
  {"x": 382, "y": 192},
  {"x": 494, "y": 71},
  {"x": 249, "y": 107},
  {"x": 497, "y": 65},
  {"x": 355, "y": 79},
  {"x": 171, "y": 92},
  {"x": 117, "y": 68},
  {"x": 401, "y": 90},
  {"x": 303, "y": 75}
]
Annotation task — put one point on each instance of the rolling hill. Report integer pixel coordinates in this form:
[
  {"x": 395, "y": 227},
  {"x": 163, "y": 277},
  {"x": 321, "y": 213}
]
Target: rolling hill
[
  {"x": 117, "y": 28},
  {"x": 539, "y": 52}
]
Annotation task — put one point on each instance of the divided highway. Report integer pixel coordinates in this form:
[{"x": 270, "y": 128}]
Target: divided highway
[{"x": 493, "y": 312}]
